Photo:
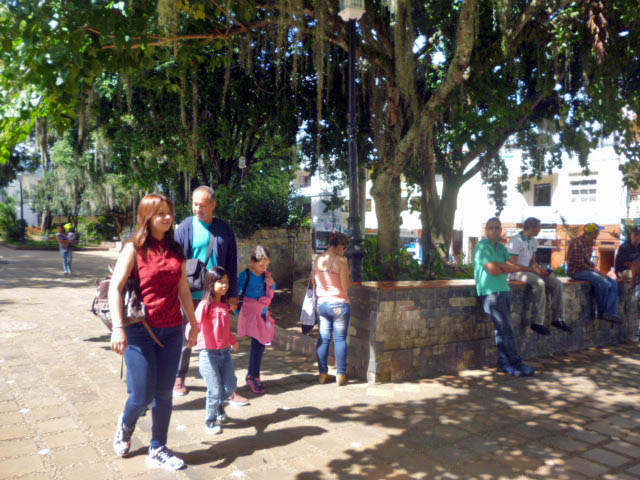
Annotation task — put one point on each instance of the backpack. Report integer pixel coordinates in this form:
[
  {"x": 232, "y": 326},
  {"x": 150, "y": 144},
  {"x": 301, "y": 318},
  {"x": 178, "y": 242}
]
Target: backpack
[{"x": 134, "y": 310}]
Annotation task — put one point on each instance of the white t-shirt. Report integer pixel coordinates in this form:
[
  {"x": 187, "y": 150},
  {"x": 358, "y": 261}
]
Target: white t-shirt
[{"x": 525, "y": 248}]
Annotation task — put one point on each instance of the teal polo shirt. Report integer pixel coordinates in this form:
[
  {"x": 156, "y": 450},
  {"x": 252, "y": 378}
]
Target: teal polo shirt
[
  {"x": 486, "y": 252},
  {"x": 200, "y": 249}
]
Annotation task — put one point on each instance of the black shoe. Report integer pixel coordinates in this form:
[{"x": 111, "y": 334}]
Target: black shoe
[
  {"x": 562, "y": 325},
  {"x": 613, "y": 318},
  {"x": 540, "y": 329},
  {"x": 521, "y": 370}
]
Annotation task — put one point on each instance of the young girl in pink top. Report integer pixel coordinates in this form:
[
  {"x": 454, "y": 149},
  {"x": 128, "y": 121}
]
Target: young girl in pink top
[{"x": 214, "y": 340}]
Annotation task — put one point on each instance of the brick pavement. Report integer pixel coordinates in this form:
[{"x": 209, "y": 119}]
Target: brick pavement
[{"x": 60, "y": 394}]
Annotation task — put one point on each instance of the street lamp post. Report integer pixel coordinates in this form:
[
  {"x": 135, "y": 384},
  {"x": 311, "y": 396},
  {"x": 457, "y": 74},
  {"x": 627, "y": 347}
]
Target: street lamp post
[
  {"x": 20, "y": 177},
  {"x": 350, "y": 11}
]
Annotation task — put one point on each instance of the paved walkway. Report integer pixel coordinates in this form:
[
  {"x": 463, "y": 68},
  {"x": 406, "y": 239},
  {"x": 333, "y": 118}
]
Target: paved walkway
[{"x": 60, "y": 394}]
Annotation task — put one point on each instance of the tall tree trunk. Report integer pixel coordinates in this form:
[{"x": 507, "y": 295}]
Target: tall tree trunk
[
  {"x": 42, "y": 140},
  {"x": 387, "y": 194}
]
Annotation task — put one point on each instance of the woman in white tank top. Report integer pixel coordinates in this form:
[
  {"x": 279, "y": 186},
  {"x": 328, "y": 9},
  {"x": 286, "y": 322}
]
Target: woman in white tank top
[{"x": 331, "y": 282}]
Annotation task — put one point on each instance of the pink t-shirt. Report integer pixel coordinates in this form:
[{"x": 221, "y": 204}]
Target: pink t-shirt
[
  {"x": 329, "y": 286},
  {"x": 214, "y": 326}
]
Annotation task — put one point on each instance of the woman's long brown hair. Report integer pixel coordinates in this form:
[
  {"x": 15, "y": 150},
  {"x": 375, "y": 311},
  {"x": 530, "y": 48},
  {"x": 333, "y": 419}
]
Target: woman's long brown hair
[{"x": 148, "y": 207}]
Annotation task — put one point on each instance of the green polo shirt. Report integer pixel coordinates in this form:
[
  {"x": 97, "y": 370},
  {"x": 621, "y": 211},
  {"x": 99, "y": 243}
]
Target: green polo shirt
[{"x": 486, "y": 252}]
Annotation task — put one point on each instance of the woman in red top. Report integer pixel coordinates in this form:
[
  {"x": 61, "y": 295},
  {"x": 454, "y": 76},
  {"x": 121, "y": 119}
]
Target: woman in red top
[{"x": 151, "y": 368}]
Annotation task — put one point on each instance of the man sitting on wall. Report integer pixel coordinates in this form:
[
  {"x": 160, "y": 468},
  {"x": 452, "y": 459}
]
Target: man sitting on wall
[
  {"x": 628, "y": 252},
  {"x": 522, "y": 248},
  {"x": 491, "y": 266},
  {"x": 581, "y": 267}
]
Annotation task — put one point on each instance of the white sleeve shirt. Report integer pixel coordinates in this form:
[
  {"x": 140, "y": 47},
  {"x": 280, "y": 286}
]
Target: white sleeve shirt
[{"x": 525, "y": 248}]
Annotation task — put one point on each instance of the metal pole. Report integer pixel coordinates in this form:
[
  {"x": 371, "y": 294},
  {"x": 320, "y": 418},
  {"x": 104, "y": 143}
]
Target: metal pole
[
  {"x": 21, "y": 210},
  {"x": 356, "y": 250}
]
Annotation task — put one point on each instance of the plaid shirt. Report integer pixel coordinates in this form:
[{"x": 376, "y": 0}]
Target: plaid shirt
[{"x": 579, "y": 255}]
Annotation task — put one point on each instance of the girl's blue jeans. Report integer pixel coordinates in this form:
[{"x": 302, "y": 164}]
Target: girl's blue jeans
[
  {"x": 216, "y": 367},
  {"x": 334, "y": 321},
  {"x": 255, "y": 358},
  {"x": 151, "y": 373}
]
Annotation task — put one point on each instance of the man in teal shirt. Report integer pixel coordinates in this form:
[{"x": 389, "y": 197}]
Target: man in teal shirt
[{"x": 490, "y": 261}]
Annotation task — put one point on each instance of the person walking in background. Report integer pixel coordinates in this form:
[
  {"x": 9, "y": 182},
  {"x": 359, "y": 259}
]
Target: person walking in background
[
  {"x": 159, "y": 262},
  {"x": 214, "y": 340},
  {"x": 194, "y": 234},
  {"x": 522, "y": 248},
  {"x": 628, "y": 252},
  {"x": 331, "y": 280},
  {"x": 491, "y": 266},
  {"x": 64, "y": 245},
  {"x": 581, "y": 267},
  {"x": 257, "y": 289}
]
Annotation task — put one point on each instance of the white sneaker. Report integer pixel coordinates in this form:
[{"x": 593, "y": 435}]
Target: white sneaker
[
  {"x": 122, "y": 439},
  {"x": 161, "y": 458},
  {"x": 213, "y": 428}
]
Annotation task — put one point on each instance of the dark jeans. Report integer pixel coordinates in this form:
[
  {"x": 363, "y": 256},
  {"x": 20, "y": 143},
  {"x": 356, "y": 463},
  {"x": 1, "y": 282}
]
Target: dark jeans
[
  {"x": 185, "y": 355},
  {"x": 151, "y": 373},
  {"x": 605, "y": 290},
  {"x": 498, "y": 306},
  {"x": 333, "y": 321},
  {"x": 255, "y": 358}
]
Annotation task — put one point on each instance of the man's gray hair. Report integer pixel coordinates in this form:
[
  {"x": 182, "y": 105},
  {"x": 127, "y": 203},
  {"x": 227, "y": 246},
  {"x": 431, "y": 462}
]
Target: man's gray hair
[
  {"x": 205, "y": 188},
  {"x": 531, "y": 222}
]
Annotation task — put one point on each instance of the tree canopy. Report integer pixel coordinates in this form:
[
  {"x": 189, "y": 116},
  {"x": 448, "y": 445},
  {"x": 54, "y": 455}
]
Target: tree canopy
[{"x": 183, "y": 88}]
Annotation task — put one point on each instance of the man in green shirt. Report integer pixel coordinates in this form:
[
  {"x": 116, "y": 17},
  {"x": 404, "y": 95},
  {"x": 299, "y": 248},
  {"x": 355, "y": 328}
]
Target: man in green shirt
[{"x": 490, "y": 261}]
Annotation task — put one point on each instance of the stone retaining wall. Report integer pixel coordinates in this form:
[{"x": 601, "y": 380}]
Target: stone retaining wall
[
  {"x": 401, "y": 330},
  {"x": 290, "y": 252}
]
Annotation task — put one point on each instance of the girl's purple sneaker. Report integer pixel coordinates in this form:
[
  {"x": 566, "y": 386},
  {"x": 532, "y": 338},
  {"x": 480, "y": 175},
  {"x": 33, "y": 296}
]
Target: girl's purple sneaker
[{"x": 255, "y": 384}]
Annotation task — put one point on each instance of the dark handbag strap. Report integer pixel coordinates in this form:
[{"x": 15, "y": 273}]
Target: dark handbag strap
[
  {"x": 136, "y": 285},
  {"x": 244, "y": 289}
]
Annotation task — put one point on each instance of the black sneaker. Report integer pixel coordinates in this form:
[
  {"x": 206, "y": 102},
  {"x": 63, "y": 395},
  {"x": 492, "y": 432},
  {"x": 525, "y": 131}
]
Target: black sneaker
[
  {"x": 161, "y": 458},
  {"x": 562, "y": 325},
  {"x": 122, "y": 439},
  {"x": 540, "y": 329}
]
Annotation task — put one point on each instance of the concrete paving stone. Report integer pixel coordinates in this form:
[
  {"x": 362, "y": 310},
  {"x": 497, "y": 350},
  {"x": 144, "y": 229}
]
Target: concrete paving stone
[
  {"x": 635, "y": 470},
  {"x": 75, "y": 455},
  {"x": 562, "y": 442},
  {"x": 585, "y": 467},
  {"x": 605, "y": 457},
  {"x": 16, "y": 431},
  {"x": 73, "y": 437},
  {"x": 36, "y": 476},
  {"x": 49, "y": 402},
  {"x": 606, "y": 428},
  {"x": 46, "y": 413},
  {"x": 587, "y": 436},
  {"x": 618, "y": 476},
  {"x": 9, "y": 418},
  {"x": 61, "y": 424},
  {"x": 8, "y": 406},
  {"x": 97, "y": 471},
  {"x": 624, "y": 448},
  {"x": 131, "y": 466},
  {"x": 17, "y": 447},
  {"x": 16, "y": 467}
]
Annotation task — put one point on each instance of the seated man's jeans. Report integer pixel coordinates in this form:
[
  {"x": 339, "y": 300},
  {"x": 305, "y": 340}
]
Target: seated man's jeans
[
  {"x": 498, "y": 306},
  {"x": 605, "y": 290}
]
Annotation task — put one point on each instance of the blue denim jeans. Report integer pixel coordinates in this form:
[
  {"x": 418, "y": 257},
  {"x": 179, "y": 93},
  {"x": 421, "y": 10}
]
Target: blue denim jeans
[
  {"x": 255, "y": 358},
  {"x": 498, "y": 307},
  {"x": 605, "y": 290},
  {"x": 151, "y": 373},
  {"x": 333, "y": 320},
  {"x": 216, "y": 367},
  {"x": 66, "y": 259}
]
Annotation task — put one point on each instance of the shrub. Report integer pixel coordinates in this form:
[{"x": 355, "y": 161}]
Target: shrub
[{"x": 10, "y": 227}]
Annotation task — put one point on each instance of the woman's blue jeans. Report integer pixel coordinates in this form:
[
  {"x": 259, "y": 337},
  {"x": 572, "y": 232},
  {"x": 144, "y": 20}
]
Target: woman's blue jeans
[
  {"x": 498, "y": 307},
  {"x": 334, "y": 320},
  {"x": 605, "y": 290},
  {"x": 255, "y": 358},
  {"x": 216, "y": 367},
  {"x": 151, "y": 373}
]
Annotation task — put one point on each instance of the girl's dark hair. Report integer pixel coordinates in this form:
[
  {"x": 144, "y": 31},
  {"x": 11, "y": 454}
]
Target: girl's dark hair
[
  {"x": 148, "y": 207},
  {"x": 338, "y": 239},
  {"x": 260, "y": 253},
  {"x": 210, "y": 279}
]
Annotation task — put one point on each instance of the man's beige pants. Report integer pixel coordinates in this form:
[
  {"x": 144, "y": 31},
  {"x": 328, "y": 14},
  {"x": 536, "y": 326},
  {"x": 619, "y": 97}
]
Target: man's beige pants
[{"x": 539, "y": 287}]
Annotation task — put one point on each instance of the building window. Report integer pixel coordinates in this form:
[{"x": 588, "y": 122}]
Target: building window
[
  {"x": 369, "y": 205},
  {"x": 583, "y": 191},
  {"x": 542, "y": 195},
  {"x": 305, "y": 181}
]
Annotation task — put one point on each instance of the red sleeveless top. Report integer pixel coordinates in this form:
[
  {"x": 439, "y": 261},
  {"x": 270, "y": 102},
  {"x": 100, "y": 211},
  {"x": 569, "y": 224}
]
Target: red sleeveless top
[{"x": 160, "y": 270}]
